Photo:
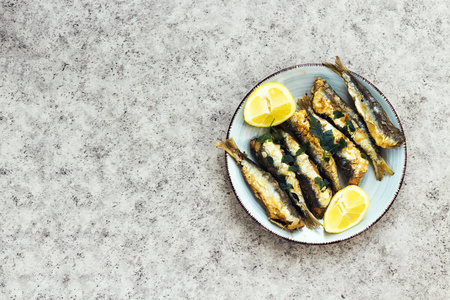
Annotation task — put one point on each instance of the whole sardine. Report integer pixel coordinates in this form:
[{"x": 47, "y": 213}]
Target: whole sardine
[
  {"x": 271, "y": 156},
  {"x": 384, "y": 133},
  {"x": 347, "y": 155},
  {"x": 299, "y": 125},
  {"x": 327, "y": 102},
  {"x": 265, "y": 188},
  {"x": 316, "y": 193}
]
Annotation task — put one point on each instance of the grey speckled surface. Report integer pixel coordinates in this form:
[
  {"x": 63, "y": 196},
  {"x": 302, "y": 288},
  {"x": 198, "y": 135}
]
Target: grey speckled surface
[{"x": 111, "y": 187}]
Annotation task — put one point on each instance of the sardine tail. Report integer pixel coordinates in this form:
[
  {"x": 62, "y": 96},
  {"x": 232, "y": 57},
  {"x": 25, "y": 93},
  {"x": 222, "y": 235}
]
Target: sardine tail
[
  {"x": 295, "y": 225},
  {"x": 230, "y": 147},
  {"x": 310, "y": 220},
  {"x": 318, "y": 211},
  {"x": 381, "y": 169},
  {"x": 332, "y": 67},
  {"x": 339, "y": 66},
  {"x": 305, "y": 103}
]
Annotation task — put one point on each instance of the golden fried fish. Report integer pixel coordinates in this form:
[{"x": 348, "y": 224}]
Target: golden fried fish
[
  {"x": 384, "y": 133},
  {"x": 272, "y": 158},
  {"x": 314, "y": 188},
  {"x": 266, "y": 188},
  {"x": 299, "y": 125}
]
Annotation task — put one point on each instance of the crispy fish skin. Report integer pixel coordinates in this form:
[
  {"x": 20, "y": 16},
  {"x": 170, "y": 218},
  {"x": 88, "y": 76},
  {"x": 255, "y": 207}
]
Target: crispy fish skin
[
  {"x": 265, "y": 188},
  {"x": 299, "y": 125},
  {"x": 277, "y": 167},
  {"x": 349, "y": 158},
  {"x": 384, "y": 133},
  {"x": 330, "y": 99},
  {"x": 326, "y": 101},
  {"x": 317, "y": 198}
]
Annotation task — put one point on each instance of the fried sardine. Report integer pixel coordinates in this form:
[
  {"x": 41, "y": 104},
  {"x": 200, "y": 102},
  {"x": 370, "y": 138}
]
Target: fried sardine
[
  {"x": 384, "y": 133},
  {"x": 266, "y": 188},
  {"x": 271, "y": 156}
]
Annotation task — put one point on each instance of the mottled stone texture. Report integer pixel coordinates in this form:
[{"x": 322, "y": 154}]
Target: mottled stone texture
[{"x": 111, "y": 187}]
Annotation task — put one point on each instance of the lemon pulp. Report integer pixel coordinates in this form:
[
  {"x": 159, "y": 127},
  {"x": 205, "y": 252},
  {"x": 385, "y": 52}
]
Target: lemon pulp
[
  {"x": 346, "y": 209},
  {"x": 269, "y": 105}
]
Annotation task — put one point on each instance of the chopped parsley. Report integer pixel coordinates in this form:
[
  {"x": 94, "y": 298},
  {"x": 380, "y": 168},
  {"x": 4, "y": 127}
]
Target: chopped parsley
[
  {"x": 287, "y": 159},
  {"x": 326, "y": 139},
  {"x": 282, "y": 182},
  {"x": 345, "y": 130},
  {"x": 321, "y": 182},
  {"x": 269, "y": 136},
  {"x": 350, "y": 125},
  {"x": 293, "y": 168},
  {"x": 363, "y": 155},
  {"x": 337, "y": 147},
  {"x": 337, "y": 114},
  {"x": 302, "y": 149}
]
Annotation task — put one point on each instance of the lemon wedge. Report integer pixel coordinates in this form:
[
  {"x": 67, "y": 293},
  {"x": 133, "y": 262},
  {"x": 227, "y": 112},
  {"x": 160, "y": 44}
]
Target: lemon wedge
[
  {"x": 269, "y": 104},
  {"x": 346, "y": 209}
]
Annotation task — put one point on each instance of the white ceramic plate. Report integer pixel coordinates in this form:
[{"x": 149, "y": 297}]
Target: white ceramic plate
[{"x": 299, "y": 80}]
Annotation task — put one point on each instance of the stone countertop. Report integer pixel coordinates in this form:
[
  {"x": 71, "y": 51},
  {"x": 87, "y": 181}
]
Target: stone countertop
[{"x": 111, "y": 186}]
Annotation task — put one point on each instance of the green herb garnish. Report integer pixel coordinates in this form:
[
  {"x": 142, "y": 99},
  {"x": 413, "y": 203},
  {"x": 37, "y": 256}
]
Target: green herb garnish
[
  {"x": 350, "y": 125},
  {"x": 345, "y": 130},
  {"x": 282, "y": 182},
  {"x": 293, "y": 168},
  {"x": 286, "y": 186},
  {"x": 276, "y": 137},
  {"x": 338, "y": 147},
  {"x": 269, "y": 137},
  {"x": 337, "y": 114},
  {"x": 287, "y": 159},
  {"x": 302, "y": 149},
  {"x": 265, "y": 137},
  {"x": 316, "y": 128},
  {"x": 321, "y": 182},
  {"x": 363, "y": 155},
  {"x": 326, "y": 139}
]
